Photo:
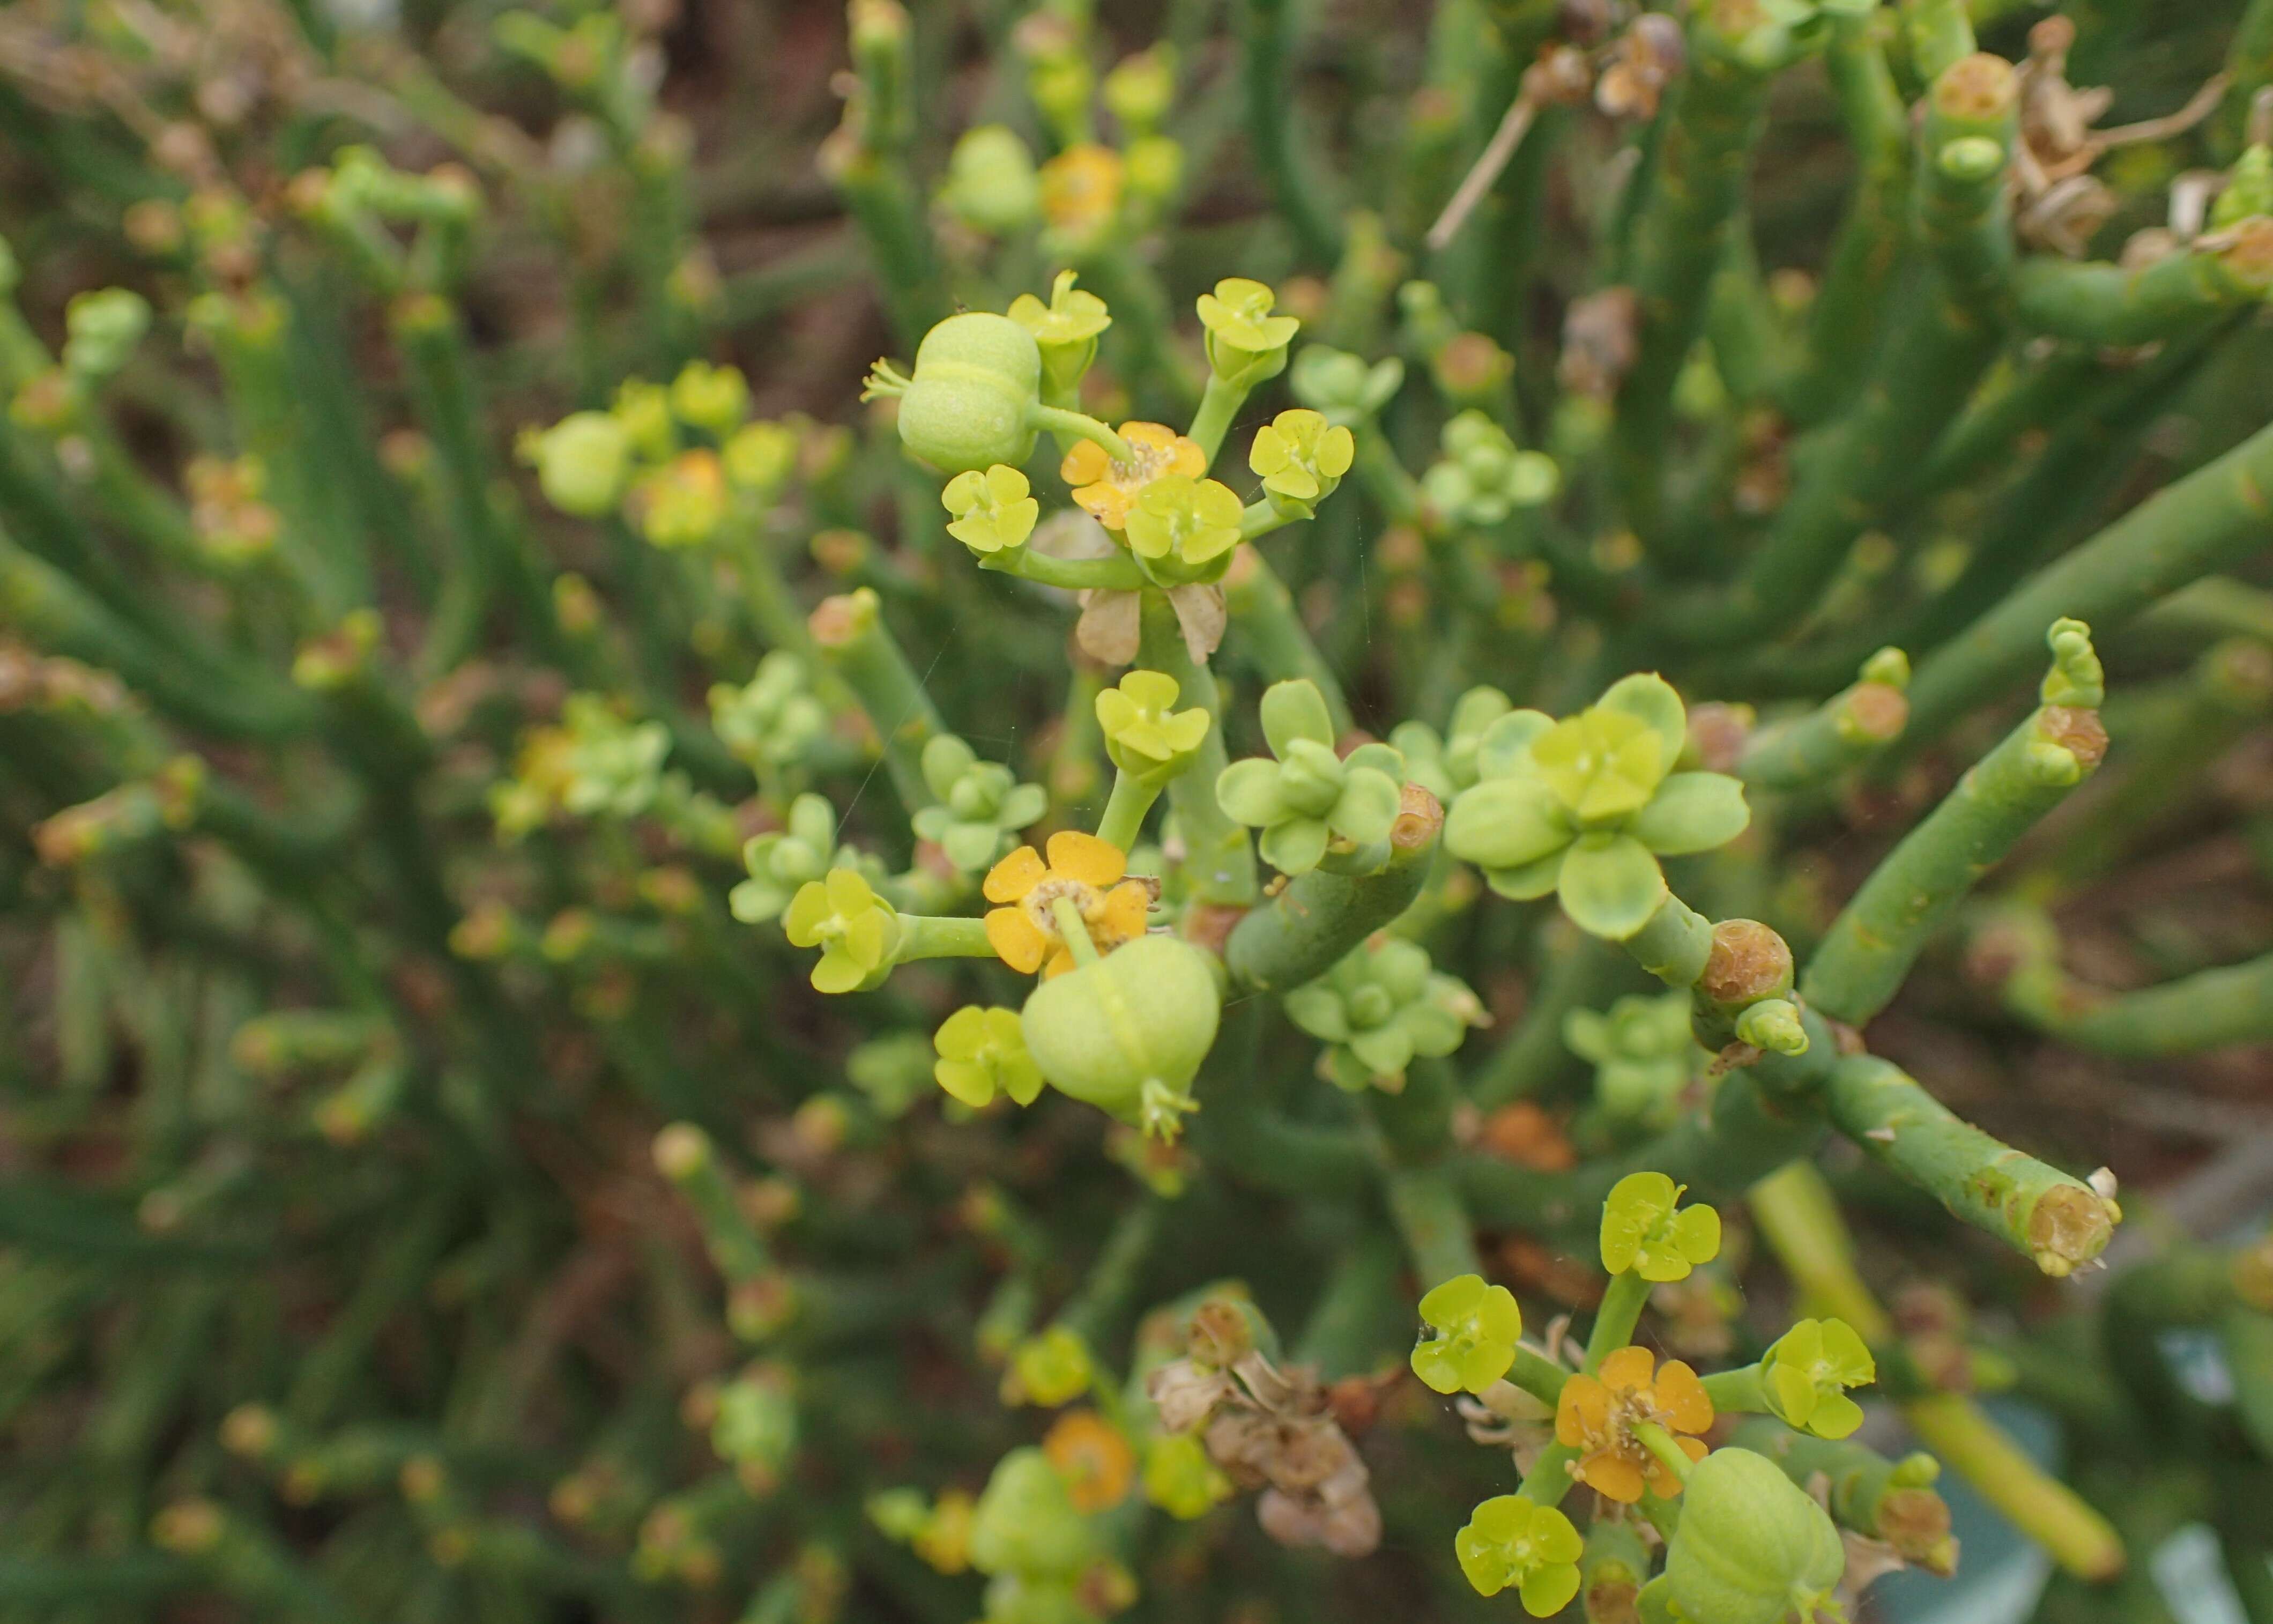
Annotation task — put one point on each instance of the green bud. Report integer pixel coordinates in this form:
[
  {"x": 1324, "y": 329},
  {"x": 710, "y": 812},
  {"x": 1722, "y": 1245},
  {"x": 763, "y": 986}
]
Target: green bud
[
  {"x": 782, "y": 864},
  {"x": 643, "y": 409},
  {"x": 1026, "y": 1522},
  {"x": 893, "y": 1072},
  {"x": 1772, "y": 1025},
  {"x": 1646, "y": 1228},
  {"x": 1141, "y": 88},
  {"x": 1127, "y": 1033},
  {"x": 1180, "y": 1479},
  {"x": 1643, "y": 1053},
  {"x": 1246, "y": 343},
  {"x": 1477, "y": 1326},
  {"x": 101, "y": 327},
  {"x": 2075, "y": 677},
  {"x": 1807, "y": 1374},
  {"x": 1483, "y": 478},
  {"x": 1341, "y": 386},
  {"x": 855, "y": 931},
  {"x": 613, "y": 765},
  {"x": 713, "y": 399},
  {"x": 991, "y": 185},
  {"x": 756, "y": 1429},
  {"x": 1153, "y": 168},
  {"x": 682, "y": 503},
  {"x": 1143, "y": 734},
  {"x": 760, "y": 457},
  {"x": 1050, "y": 1369},
  {"x": 1309, "y": 802},
  {"x": 582, "y": 462},
  {"x": 774, "y": 720},
  {"x": 1382, "y": 1003},
  {"x": 1753, "y": 1547},
  {"x": 1509, "y": 1541},
  {"x": 980, "y": 804},
  {"x": 983, "y": 1051},
  {"x": 969, "y": 402}
]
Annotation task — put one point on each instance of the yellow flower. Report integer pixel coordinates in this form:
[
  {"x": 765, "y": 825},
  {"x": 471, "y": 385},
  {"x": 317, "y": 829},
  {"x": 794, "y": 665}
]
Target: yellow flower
[
  {"x": 1597, "y": 1414},
  {"x": 1023, "y": 929},
  {"x": 1094, "y": 1458},
  {"x": 1107, "y": 488},
  {"x": 1081, "y": 189}
]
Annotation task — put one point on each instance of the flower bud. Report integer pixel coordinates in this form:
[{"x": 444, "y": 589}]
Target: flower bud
[
  {"x": 1026, "y": 1523},
  {"x": 990, "y": 183},
  {"x": 582, "y": 463},
  {"x": 1246, "y": 343},
  {"x": 102, "y": 327}
]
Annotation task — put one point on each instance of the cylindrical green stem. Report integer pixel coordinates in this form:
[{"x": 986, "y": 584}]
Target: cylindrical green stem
[
  {"x": 1124, "y": 813},
  {"x": 1879, "y": 935},
  {"x": 1273, "y": 635},
  {"x": 2210, "y": 1008},
  {"x": 925, "y": 935},
  {"x": 1267, "y": 72},
  {"x": 854, "y": 640},
  {"x": 1220, "y": 855},
  {"x": 1304, "y": 930},
  {"x": 2210, "y": 521},
  {"x": 1219, "y": 403},
  {"x": 1615, "y": 1321},
  {"x": 2055, "y": 1217}
]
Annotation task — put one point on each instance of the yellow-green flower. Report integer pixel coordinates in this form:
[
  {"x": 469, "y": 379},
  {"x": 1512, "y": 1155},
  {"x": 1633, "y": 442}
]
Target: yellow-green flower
[
  {"x": 760, "y": 457},
  {"x": 1180, "y": 1479},
  {"x": 1143, "y": 734},
  {"x": 1478, "y": 1326},
  {"x": 993, "y": 509},
  {"x": 1301, "y": 457},
  {"x": 713, "y": 399},
  {"x": 1179, "y": 526},
  {"x": 1237, "y": 316},
  {"x": 855, "y": 930},
  {"x": 983, "y": 1051},
  {"x": 1807, "y": 1374},
  {"x": 1049, "y": 1369},
  {"x": 1509, "y": 1541},
  {"x": 1646, "y": 1228},
  {"x": 1073, "y": 315},
  {"x": 682, "y": 503}
]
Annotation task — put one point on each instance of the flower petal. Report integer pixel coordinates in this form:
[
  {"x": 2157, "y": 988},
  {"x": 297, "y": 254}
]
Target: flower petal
[
  {"x": 1083, "y": 857},
  {"x": 1650, "y": 698},
  {"x": 1692, "y": 812},
  {"x": 1014, "y": 875},
  {"x": 1017, "y": 940},
  {"x": 1610, "y": 885}
]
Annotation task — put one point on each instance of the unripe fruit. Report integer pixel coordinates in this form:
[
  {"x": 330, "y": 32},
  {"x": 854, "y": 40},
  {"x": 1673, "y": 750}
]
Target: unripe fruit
[{"x": 970, "y": 404}]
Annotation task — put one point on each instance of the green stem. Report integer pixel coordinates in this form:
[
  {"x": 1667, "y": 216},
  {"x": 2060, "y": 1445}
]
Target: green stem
[
  {"x": 2211, "y": 1009},
  {"x": 1864, "y": 957},
  {"x": 1219, "y": 403},
  {"x": 854, "y": 640},
  {"x": 2060, "y": 1221},
  {"x": 925, "y": 935},
  {"x": 1549, "y": 1479},
  {"x": 1943, "y": 333},
  {"x": 1273, "y": 131},
  {"x": 1615, "y": 1321},
  {"x": 1741, "y": 1391},
  {"x": 1426, "y": 1205},
  {"x": 1219, "y": 856},
  {"x": 1079, "y": 425},
  {"x": 1274, "y": 633},
  {"x": 2210, "y": 521},
  {"x": 1674, "y": 944},
  {"x": 689, "y": 1160},
  {"x": 1837, "y": 736},
  {"x": 1660, "y": 1443},
  {"x": 1866, "y": 256},
  {"x": 1071, "y": 927},
  {"x": 1718, "y": 112},
  {"x": 1304, "y": 930},
  {"x": 2039, "y": 1505},
  {"x": 1124, "y": 812},
  {"x": 2096, "y": 303},
  {"x": 1117, "y": 574}
]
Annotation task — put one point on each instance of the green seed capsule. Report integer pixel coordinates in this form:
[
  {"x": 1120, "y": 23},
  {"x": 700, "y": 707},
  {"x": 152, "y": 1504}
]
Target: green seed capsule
[
  {"x": 971, "y": 403},
  {"x": 1753, "y": 1547},
  {"x": 1128, "y": 1033}
]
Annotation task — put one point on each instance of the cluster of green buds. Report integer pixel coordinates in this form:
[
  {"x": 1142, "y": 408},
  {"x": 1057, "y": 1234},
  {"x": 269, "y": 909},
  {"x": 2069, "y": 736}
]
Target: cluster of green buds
[
  {"x": 1584, "y": 808},
  {"x": 1644, "y": 1054},
  {"x": 772, "y": 721},
  {"x": 1447, "y": 765},
  {"x": 783, "y": 861},
  {"x": 981, "y": 805},
  {"x": 1341, "y": 387},
  {"x": 1380, "y": 1006},
  {"x": 679, "y": 461},
  {"x": 1482, "y": 479},
  {"x": 1314, "y": 808},
  {"x": 598, "y": 763}
]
